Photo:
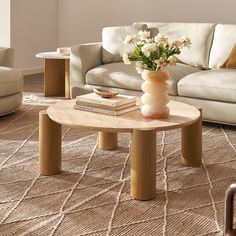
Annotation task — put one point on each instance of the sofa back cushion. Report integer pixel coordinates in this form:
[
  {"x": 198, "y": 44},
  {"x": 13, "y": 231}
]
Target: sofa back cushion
[
  {"x": 223, "y": 43},
  {"x": 201, "y": 35},
  {"x": 113, "y": 38}
]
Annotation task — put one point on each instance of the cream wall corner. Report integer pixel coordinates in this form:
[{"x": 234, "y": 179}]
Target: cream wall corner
[
  {"x": 30, "y": 26},
  {"x": 5, "y": 23}
]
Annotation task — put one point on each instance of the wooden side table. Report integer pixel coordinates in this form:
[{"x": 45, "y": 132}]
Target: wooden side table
[{"x": 56, "y": 74}]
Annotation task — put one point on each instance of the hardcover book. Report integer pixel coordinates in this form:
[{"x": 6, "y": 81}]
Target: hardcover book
[
  {"x": 104, "y": 106},
  {"x": 92, "y": 98},
  {"x": 106, "y": 111}
]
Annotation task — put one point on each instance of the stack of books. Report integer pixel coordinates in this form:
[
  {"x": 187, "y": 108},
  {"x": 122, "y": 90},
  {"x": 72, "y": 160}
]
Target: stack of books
[{"x": 110, "y": 106}]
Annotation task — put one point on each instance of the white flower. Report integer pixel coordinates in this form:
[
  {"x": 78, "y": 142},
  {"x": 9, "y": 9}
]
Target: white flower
[
  {"x": 129, "y": 39},
  {"x": 140, "y": 43},
  {"x": 153, "y": 53},
  {"x": 161, "y": 39},
  {"x": 160, "y": 63},
  {"x": 177, "y": 44},
  {"x": 186, "y": 42},
  {"x": 150, "y": 40},
  {"x": 148, "y": 48},
  {"x": 126, "y": 59},
  {"x": 144, "y": 35},
  {"x": 172, "y": 60},
  {"x": 139, "y": 66}
]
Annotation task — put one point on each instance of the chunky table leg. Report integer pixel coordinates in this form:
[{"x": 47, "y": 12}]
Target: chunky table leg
[
  {"x": 49, "y": 145},
  {"x": 54, "y": 77},
  {"x": 67, "y": 78},
  {"x": 191, "y": 144},
  {"x": 107, "y": 140},
  {"x": 143, "y": 164}
]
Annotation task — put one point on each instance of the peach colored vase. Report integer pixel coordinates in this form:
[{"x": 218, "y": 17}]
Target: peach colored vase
[{"x": 155, "y": 98}]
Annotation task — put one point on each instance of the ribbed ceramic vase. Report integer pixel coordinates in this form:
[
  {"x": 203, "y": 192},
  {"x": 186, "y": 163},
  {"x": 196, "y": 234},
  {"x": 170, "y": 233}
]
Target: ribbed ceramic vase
[{"x": 155, "y": 98}]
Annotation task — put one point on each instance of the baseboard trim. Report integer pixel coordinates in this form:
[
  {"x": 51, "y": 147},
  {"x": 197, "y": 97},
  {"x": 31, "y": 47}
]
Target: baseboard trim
[{"x": 31, "y": 71}]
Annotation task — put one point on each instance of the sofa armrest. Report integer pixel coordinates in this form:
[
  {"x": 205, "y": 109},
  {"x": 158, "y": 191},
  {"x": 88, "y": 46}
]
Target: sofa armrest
[
  {"x": 83, "y": 58},
  {"x": 6, "y": 57}
]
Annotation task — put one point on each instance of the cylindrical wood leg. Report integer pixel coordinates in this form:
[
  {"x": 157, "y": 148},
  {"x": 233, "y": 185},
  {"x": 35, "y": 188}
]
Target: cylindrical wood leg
[
  {"x": 191, "y": 144},
  {"x": 54, "y": 77},
  {"x": 107, "y": 140},
  {"x": 49, "y": 145},
  {"x": 67, "y": 78},
  {"x": 143, "y": 164}
]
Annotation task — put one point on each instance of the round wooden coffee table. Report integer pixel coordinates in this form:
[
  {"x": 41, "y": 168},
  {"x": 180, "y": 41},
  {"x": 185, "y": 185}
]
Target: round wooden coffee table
[{"x": 143, "y": 139}]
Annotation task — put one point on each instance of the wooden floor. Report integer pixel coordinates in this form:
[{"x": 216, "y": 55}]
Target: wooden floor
[{"x": 33, "y": 84}]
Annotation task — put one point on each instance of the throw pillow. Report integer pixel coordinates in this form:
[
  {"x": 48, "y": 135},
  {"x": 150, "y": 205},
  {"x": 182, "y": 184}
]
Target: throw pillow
[
  {"x": 113, "y": 38},
  {"x": 230, "y": 62},
  {"x": 153, "y": 29}
]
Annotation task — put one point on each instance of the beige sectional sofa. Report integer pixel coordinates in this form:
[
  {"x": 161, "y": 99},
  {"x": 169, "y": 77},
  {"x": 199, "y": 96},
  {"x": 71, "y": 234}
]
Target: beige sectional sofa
[
  {"x": 196, "y": 79},
  {"x": 11, "y": 83}
]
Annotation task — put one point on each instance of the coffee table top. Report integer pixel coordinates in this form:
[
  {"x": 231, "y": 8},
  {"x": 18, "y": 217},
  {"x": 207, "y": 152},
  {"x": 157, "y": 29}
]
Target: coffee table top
[
  {"x": 52, "y": 55},
  {"x": 181, "y": 115}
]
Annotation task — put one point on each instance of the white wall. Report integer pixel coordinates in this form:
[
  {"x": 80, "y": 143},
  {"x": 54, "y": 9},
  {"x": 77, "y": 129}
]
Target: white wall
[
  {"x": 5, "y": 27},
  {"x": 81, "y": 21},
  {"x": 34, "y": 28},
  {"x": 43, "y": 25}
]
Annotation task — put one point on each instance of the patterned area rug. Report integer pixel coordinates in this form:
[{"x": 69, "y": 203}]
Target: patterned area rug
[{"x": 91, "y": 196}]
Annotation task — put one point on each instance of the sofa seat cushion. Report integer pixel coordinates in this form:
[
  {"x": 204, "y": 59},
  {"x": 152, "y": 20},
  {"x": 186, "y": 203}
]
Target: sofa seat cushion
[
  {"x": 116, "y": 75},
  {"x": 119, "y": 75},
  {"x": 177, "y": 73},
  {"x": 11, "y": 81},
  {"x": 219, "y": 85}
]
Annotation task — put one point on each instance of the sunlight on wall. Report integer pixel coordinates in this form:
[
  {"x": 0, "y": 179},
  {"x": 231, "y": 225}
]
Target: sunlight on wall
[{"x": 5, "y": 27}]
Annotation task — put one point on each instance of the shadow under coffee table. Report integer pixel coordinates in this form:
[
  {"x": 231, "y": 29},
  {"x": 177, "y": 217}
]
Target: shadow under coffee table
[{"x": 143, "y": 139}]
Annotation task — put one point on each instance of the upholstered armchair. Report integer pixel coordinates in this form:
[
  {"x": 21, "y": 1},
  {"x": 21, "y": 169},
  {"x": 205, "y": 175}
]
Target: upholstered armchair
[{"x": 11, "y": 83}]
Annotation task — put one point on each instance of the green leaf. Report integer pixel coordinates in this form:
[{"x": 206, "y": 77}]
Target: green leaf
[
  {"x": 138, "y": 51},
  {"x": 134, "y": 58}
]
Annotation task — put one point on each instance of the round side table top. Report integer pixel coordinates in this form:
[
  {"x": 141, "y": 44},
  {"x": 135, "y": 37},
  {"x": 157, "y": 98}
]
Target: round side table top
[
  {"x": 52, "y": 55},
  {"x": 181, "y": 115}
]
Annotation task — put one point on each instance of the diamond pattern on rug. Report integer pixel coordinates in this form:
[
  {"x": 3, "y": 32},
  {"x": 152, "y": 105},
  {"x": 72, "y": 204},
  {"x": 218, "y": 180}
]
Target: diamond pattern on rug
[{"x": 92, "y": 195}]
